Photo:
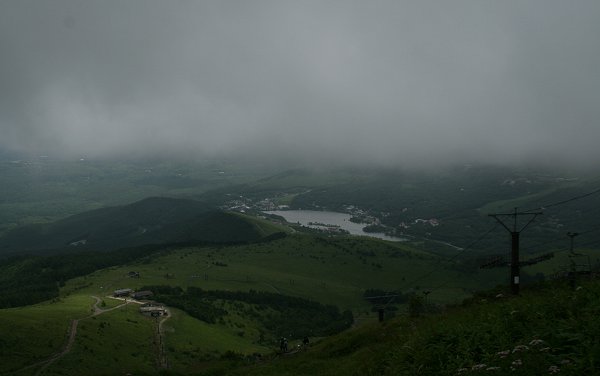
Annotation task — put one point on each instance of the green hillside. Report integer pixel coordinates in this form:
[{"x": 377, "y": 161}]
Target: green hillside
[
  {"x": 258, "y": 292},
  {"x": 150, "y": 221},
  {"x": 118, "y": 340},
  {"x": 550, "y": 329},
  {"x": 329, "y": 270}
]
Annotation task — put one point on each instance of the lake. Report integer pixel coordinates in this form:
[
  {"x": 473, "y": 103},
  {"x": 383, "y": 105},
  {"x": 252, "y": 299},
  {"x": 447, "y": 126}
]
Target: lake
[{"x": 329, "y": 218}]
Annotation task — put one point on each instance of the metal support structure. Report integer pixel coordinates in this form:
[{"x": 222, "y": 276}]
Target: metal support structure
[
  {"x": 515, "y": 233},
  {"x": 573, "y": 272},
  {"x": 515, "y": 273}
]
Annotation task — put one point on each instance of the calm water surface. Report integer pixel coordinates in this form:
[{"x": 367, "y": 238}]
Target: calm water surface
[{"x": 330, "y": 218}]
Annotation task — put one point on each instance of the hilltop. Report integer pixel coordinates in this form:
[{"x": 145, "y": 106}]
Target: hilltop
[{"x": 156, "y": 220}]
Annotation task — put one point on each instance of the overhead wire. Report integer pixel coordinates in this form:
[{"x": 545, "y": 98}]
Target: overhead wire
[
  {"x": 561, "y": 202},
  {"x": 436, "y": 266},
  {"x": 472, "y": 244}
]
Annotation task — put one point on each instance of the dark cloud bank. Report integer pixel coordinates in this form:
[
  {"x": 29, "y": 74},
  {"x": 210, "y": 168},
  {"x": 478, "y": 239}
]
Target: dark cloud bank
[{"x": 379, "y": 81}]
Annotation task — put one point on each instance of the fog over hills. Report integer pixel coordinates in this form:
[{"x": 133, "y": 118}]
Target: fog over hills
[{"x": 384, "y": 82}]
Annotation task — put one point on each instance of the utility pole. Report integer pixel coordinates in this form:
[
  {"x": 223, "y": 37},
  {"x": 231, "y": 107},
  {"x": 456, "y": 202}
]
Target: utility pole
[
  {"x": 573, "y": 271},
  {"x": 515, "y": 233}
]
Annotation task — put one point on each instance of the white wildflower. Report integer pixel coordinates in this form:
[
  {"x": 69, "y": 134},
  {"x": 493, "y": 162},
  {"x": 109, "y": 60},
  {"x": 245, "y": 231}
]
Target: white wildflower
[
  {"x": 517, "y": 363},
  {"x": 503, "y": 354},
  {"x": 536, "y": 342},
  {"x": 520, "y": 348},
  {"x": 492, "y": 369},
  {"x": 553, "y": 369},
  {"x": 477, "y": 367}
]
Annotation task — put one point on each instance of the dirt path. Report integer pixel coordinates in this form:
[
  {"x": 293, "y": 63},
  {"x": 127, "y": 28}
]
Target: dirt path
[
  {"x": 273, "y": 287},
  {"x": 162, "y": 354},
  {"x": 72, "y": 333},
  {"x": 96, "y": 310}
]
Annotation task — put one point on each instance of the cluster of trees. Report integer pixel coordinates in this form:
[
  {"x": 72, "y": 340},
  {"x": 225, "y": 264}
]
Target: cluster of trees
[
  {"x": 292, "y": 315},
  {"x": 175, "y": 296},
  {"x": 279, "y": 314}
]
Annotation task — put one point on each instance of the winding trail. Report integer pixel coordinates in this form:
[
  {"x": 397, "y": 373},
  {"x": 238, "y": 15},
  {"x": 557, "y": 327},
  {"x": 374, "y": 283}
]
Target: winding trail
[
  {"x": 72, "y": 332},
  {"x": 162, "y": 354},
  {"x": 273, "y": 287}
]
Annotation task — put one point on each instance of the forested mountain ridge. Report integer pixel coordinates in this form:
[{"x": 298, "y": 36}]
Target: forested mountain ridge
[{"x": 156, "y": 220}]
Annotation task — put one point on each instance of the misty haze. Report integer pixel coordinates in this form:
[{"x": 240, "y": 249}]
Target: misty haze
[{"x": 308, "y": 187}]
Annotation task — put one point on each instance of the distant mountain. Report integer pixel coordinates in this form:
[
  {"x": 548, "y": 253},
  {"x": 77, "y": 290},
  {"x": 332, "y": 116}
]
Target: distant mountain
[{"x": 149, "y": 221}]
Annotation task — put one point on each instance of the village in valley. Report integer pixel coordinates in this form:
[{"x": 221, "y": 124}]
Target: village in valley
[{"x": 371, "y": 219}]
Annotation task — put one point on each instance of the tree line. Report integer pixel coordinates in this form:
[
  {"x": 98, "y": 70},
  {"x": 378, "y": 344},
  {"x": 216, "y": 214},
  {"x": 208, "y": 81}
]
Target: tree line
[{"x": 280, "y": 314}]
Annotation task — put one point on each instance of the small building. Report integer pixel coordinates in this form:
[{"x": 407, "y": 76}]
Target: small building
[
  {"x": 145, "y": 294},
  {"x": 153, "y": 310},
  {"x": 122, "y": 292}
]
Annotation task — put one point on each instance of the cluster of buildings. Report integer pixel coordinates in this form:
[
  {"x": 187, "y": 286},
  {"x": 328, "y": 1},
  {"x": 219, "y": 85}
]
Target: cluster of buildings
[
  {"x": 242, "y": 204},
  {"x": 147, "y": 308},
  {"x": 129, "y": 293}
]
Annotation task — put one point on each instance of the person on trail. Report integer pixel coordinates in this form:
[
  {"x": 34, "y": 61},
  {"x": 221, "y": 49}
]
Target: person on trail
[
  {"x": 285, "y": 345},
  {"x": 305, "y": 341},
  {"x": 282, "y": 344}
]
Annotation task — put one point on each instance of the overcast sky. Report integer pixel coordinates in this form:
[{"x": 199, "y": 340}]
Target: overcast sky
[{"x": 382, "y": 81}]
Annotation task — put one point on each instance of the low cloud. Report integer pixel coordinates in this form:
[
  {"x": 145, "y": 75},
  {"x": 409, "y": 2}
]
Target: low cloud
[{"x": 388, "y": 82}]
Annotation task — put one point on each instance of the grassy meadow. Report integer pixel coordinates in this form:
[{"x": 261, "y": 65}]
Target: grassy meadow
[
  {"x": 328, "y": 270},
  {"x": 33, "y": 333}
]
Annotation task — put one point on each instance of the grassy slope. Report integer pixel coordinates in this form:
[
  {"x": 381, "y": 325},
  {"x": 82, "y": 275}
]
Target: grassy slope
[
  {"x": 264, "y": 227},
  {"x": 325, "y": 270},
  {"x": 190, "y": 342},
  {"x": 564, "y": 320},
  {"x": 121, "y": 341},
  {"x": 333, "y": 271},
  {"x": 31, "y": 334},
  {"x": 116, "y": 342}
]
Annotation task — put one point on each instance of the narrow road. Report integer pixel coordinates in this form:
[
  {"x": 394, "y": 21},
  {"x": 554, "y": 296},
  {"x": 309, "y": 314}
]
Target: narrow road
[
  {"x": 72, "y": 333},
  {"x": 162, "y": 354}
]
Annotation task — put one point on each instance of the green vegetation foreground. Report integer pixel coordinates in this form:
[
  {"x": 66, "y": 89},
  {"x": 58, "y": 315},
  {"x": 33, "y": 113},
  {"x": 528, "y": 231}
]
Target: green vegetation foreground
[{"x": 548, "y": 330}]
